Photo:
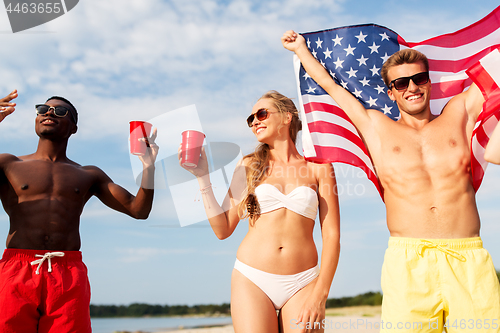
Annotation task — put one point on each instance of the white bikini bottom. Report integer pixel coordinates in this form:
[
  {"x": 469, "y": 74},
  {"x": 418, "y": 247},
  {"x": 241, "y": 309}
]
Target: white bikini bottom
[{"x": 279, "y": 288}]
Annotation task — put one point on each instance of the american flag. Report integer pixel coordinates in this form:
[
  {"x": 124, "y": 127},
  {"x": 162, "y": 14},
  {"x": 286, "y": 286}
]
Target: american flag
[{"x": 354, "y": 56}]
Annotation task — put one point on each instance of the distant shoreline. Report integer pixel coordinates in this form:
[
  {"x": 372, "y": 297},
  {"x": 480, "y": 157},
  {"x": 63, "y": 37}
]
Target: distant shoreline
[
  {"x": 138, "y": 310},
  {"x": 169, "y": 316},
  {"x": 342, "y": 317},
  {"x": 368, "y": 315}
]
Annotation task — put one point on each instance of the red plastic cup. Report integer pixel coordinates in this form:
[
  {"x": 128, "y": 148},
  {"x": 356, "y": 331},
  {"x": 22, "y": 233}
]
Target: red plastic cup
[
  {"x": 191, "y": 148},
  {"x": 139, "y": 130}
]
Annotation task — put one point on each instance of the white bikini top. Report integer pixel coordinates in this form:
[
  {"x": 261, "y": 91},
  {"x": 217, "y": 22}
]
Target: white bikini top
[{"x": 302, "y": 200}]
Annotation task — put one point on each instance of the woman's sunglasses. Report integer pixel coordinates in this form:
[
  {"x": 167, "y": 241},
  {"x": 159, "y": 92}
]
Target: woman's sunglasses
[
  {"x": 59, "y": 111},
  {"x": 261, "y": 114},
  {"x": 403, "y": 82}
]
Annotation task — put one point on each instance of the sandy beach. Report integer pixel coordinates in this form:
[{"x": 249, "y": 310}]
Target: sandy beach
[{"x": 354, "y": 319}]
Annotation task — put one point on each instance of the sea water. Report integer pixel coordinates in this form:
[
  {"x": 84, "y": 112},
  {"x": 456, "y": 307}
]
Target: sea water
[{"x": 153, "y": 324}]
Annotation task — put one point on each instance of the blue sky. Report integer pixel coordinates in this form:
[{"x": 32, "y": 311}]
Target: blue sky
[{"x": 122, "y": 60}]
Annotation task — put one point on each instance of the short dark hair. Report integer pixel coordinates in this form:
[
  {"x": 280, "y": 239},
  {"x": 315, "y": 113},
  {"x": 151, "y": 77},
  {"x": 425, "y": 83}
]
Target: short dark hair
[{"x": 73, "y": 112}]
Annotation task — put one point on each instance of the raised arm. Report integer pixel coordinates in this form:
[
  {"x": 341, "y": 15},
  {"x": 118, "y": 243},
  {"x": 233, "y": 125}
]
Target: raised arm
[
  {"x": 6, "y": 108},
  {"x": 118, "y": 198},
  {"x": 352, "y": 107},
  {"x": 492, "y": 152},
  {"x": 313, "y": 309},
  {"x": 6, "y": 105},
  {"x": 223, "y": 219}
]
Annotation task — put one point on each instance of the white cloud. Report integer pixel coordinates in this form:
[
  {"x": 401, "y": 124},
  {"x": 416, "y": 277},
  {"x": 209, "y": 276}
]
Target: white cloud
[{"x": 115, "y": 58}]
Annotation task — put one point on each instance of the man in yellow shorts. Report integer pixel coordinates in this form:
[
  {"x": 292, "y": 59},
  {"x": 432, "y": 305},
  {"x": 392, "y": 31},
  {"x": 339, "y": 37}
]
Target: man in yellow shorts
[{"x": 436, "y": 273}]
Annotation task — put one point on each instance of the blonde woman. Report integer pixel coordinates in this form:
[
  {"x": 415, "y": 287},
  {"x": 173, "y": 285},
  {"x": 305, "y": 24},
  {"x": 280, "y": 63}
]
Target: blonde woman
[{"x": 280, "y": 193}]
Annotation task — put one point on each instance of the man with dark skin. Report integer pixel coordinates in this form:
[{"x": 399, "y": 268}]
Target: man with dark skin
[{"x": 44, "y": 194}]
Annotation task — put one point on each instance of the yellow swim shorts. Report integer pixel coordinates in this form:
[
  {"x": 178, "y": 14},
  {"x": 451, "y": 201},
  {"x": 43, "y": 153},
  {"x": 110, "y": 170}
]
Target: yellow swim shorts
[{"x": 435, "y": 284}]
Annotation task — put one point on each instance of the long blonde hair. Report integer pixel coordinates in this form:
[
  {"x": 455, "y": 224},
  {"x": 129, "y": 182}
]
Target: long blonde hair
[{"x": 258, "y": 162}]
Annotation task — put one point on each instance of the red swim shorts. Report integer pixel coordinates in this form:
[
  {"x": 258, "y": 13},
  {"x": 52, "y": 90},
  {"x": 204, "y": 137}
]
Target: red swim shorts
[{"x": 44, "y": 291}]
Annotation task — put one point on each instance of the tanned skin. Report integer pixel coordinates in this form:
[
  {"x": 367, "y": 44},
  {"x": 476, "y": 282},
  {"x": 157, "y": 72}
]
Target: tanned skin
[
  {"x": 422, "y": 160},
  {"x": 44, "y": 193}
]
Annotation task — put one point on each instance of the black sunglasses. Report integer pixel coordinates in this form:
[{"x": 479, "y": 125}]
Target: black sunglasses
[
  {"x": 261, "y": 114},
  {"x": 59, "y": 111},
  {"x": 403, "y": 82}
]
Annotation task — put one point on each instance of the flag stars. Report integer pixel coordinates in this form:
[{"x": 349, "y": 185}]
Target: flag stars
[
  {"x": 361, "y": 37},
  {"x": 379, "y": 89},
  {"x": 372, "y": 102},
  {"x": 362, "y": 60},
  {"x": 374, "y": 48},
  {"x": 337, "y": 40},
  {"x": 357, "y": 93},
  {"x": 387, "y": 109},
  {"x": 375, "y": 70},
  {"x": 364, "y": 82},
  {"x": 327, "y": 53},
  {"x": 352, "y": 72},
  {"x": 349, "y": 50},
  {"x": 368, "y": 48},
  {"x": 385, "y": 57},
  {"x": 338, "y": 63},
  {"x": 384, "y": 36},
  {"x": 318, "y": 43}
]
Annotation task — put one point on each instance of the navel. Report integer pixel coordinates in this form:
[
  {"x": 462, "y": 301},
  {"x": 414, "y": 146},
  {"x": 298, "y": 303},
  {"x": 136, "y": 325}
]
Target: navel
[
  {"x": 24, "y": 187},
  {"x": 77, "y": 190},
  {"x": 434, "y": 209}
]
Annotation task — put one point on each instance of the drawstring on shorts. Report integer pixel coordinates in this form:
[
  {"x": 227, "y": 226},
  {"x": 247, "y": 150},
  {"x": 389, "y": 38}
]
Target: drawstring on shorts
[
  {"x": 47, "y": 256},
  {"x": 424, "y": 243}
]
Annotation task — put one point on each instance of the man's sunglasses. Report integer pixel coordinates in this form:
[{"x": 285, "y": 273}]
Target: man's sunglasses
[
  {"x": 261, "y": 114},
  {"x": 403, "y": 82},
  {"x": 59, "y": 111}
]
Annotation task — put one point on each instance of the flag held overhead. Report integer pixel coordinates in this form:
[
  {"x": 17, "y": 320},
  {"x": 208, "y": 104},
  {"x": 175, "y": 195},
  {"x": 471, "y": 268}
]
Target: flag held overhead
[{"x": 354, "y": 55}]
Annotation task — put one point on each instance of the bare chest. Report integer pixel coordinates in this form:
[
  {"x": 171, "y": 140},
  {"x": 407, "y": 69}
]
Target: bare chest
[
  {"x": 32, "y": 180},
  {"x": 428, "y": 153}
]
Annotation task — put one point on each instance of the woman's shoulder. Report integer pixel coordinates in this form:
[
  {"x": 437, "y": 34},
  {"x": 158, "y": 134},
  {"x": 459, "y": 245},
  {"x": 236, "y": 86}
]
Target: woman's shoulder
[{"x": 246, "y": 160}]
